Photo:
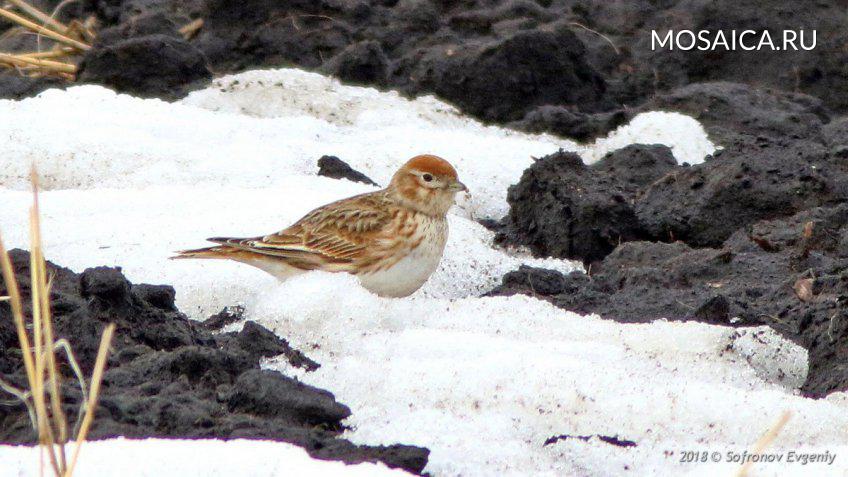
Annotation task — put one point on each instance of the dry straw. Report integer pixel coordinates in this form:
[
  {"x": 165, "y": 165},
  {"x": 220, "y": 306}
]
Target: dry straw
[
  {"x": 43, "y": 399},
  {"x": 42, "y": 30},
  {"x": 764, "y": 441},
  {"x": 70, "y": 41}
]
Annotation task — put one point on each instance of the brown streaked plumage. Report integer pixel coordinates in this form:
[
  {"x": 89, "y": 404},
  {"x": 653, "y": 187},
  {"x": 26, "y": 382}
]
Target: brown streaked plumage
[{"x": 392, "y": 239}]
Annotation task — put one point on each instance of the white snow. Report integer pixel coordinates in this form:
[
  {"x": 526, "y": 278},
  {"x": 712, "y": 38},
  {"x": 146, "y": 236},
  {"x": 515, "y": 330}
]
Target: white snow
[
  {"x": 190, "y": 458},
  {"x": 506, "y": 374},
  {"x": 684, "y": 135},
  {"x": 481, "y": 382}
]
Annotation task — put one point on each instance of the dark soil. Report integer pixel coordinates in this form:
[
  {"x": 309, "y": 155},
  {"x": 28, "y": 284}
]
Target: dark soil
[
  {"x": 779, "y": 158},
  {"x": 563, "y": 208},
  {"x": 15, "y": 86},
  {"x": 168, "y": 376},
  {"x": 335, "y": 168},
  {"x": 733, "y": 112},
  {"x": 612, "y": 440},
  {"x": 155, "y": 61}
]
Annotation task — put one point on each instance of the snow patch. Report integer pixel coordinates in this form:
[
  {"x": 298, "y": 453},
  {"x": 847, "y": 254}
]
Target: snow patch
[
  {"x": 683, "y": 134},
  {"x": 484, "y": 383},
  {"x": 189, "y": 458}
]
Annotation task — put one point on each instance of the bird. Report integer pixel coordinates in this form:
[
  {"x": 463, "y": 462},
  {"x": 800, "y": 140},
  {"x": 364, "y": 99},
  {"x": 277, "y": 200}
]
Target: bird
[{"x": 392, "y": 239}]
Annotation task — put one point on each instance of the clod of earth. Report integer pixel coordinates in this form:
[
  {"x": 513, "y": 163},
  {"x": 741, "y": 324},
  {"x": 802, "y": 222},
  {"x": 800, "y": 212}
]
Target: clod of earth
[{"x": 335, "y": 168}]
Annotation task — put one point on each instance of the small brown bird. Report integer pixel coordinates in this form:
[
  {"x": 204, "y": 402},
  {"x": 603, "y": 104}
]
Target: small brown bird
[{"x": 391, "y": 239}]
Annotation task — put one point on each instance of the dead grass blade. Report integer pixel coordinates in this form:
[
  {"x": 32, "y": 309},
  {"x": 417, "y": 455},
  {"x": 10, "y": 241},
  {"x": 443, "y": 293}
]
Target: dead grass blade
[
  {"x": 94, "y": 394},
  {"x": 44, "y": 18},
  {"x": 75, "y": 367},
  {"x": 46, "y": 55},
  {"x": 46, "y": 434},
  {"x": 22, "y": 396},
  {"x": 31, "y": 61},
  {"x": 11, "y": 16},
  {"x": 614, "y": 48},
  {"x": 41, "y": 300},
  {"x": 189, "y": 30},
  {"x": 764, "y": 441}
]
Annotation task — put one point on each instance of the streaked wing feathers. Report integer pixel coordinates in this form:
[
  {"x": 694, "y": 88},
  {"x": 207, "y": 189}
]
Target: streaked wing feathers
[{"x": 335, "y": 234}]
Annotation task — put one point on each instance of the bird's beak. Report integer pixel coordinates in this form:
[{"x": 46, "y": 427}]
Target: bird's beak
[{"x": 458, "y": 187}]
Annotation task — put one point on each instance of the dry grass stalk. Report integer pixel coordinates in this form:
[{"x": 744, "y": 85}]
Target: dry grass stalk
[
  {"x": 614, "y": 48},
  {"x": 45, "y": 19},
  {"x": 764, "y": 441},
  {"x": 25, "y": 61},
  {"x": 83, "y": 30},
  {"x": 53, "y": 35},
  {"x": 189, "y": 30},
  {"x": 94, "y": 394},
  {"x": 87, "y": 28},
  {"x": 39, "y": 272},
  {"x": 44, "y": 55},
  {"x": 44, "y": 399},
  {"x": 72, "y": 39}
]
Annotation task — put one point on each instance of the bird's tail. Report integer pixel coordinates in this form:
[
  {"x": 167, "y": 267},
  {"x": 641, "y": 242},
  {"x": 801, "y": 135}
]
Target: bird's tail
[{"x": 218, "y": 251}]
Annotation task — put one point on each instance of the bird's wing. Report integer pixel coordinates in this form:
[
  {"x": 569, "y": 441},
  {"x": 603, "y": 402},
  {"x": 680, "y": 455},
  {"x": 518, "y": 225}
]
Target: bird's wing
[{"x": 331, "y": 237}]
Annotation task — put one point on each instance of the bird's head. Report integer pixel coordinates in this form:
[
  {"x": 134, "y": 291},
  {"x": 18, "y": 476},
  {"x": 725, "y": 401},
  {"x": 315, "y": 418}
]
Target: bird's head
[{"x": 427, "y": 184}]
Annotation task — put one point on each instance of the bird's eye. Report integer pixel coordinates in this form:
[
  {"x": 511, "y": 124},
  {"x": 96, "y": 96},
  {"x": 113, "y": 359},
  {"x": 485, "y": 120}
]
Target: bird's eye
[{"x": 427, "y": 177}]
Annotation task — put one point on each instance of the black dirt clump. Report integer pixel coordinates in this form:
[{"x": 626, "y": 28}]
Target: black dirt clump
[
  {"x": 564, "y": 208},
  {"x": 363, "y": 63},
  {"x": 262, "y": 343},
  {"x": 501, "y": 79},
  {"x": 612, "y": 440},
  {"x": 14, "y": 86},
  {"x": 704, "y": 204},
  {"x": 145, "y": 56},
  {"x": 780, "y": 156},
  {"x": 569, "y": 122},
  {"x": 227, "y": 316},
  {"x": 170, "y": 377},
  {"x": 335, "y": 168},
  {"x": 730, "y": 111}
]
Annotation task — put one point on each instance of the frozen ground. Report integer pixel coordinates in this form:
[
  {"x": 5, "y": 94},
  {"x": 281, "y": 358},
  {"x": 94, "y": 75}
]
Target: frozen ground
[{"x": 482, "y": 382}]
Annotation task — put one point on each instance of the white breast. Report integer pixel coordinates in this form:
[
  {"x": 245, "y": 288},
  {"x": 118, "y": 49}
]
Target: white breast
[{"x": 412, "y": 271}]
